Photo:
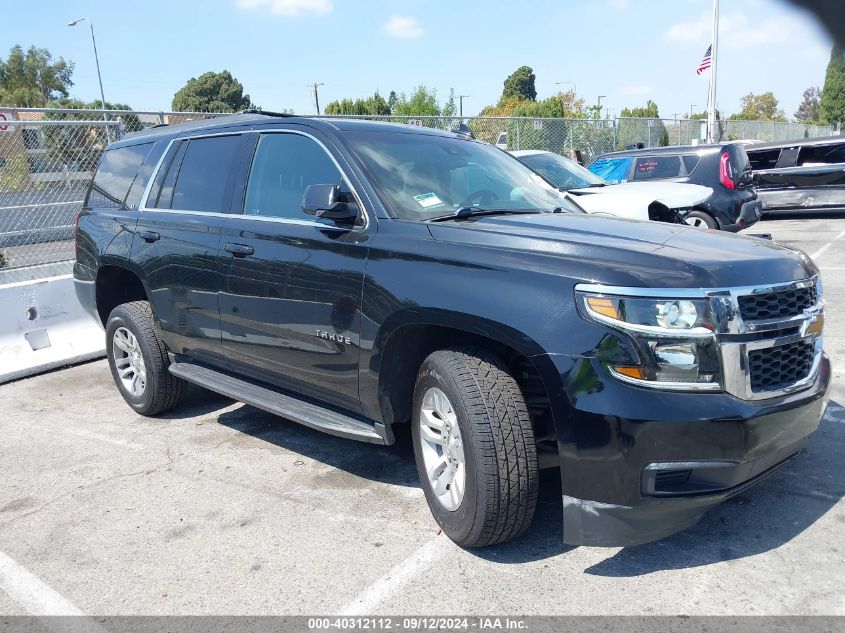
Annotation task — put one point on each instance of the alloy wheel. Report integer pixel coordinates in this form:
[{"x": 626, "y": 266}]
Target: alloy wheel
[
  {"x": 442, "y": 449},
  {"x": 129, "y": 362}
]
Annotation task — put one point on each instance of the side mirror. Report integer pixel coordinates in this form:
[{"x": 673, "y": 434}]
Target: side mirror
[{"x": 326, "y": 201}]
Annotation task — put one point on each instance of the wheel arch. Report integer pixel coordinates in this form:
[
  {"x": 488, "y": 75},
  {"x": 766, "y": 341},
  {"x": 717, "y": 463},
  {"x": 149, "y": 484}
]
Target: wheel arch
[
  {"x": 408, "y": 337},
  {"x": 116, "y": 284}
]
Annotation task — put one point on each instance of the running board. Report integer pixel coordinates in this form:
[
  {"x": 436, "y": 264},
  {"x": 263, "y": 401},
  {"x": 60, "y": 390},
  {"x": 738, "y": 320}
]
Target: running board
[{"x": 277, "y": 403}]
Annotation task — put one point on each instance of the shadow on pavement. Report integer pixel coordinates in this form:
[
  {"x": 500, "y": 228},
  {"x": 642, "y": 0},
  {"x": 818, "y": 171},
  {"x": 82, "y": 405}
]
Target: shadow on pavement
[
  {"x": 760, "y": 519},
  {"x": 387, "y": 464}
]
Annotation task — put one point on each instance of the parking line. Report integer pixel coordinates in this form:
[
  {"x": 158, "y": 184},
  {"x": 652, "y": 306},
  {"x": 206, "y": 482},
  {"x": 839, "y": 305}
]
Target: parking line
[
  {"x": 394, "y": 580},
  {"x": 32, "y": 594},
  {"x": 99, "y": 437},
  {"x": 821, "y": 251}
]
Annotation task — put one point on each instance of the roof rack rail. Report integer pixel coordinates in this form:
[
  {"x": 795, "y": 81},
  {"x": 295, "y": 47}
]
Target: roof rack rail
[{"x": 266, "y": 112}]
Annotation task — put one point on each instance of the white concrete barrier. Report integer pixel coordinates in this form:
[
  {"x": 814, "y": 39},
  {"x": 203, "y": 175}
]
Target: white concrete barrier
[{"x": 43, "y": 326}]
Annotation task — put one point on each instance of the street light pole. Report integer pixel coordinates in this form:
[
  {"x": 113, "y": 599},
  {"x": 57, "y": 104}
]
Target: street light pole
[
  {"x": 574, "y": 86},
  {"x": 96, "y": 61},
  {"x": 599, "y": 103},
  {"x": 461, "y": 106}
]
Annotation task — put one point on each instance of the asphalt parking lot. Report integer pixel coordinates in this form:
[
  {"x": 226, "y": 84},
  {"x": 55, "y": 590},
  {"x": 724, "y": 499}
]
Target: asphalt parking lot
[{"x": 219, "y": 508}]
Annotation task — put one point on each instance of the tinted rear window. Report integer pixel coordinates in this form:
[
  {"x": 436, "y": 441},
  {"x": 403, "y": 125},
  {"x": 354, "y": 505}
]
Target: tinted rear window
[
  {"x": 656, "y": 167},
  {"x": 117, "y": 171},
  {"x": 739, "y": 161},
  {"x": 201, "y": 179}
]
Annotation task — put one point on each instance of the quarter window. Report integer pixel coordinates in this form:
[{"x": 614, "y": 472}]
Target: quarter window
[
  {"x": 283, "y": 167},
  {"x": 115, "y": 175}
]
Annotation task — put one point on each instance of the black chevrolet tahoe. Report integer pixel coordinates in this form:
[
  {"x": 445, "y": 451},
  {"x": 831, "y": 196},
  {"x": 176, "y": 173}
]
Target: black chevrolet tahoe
[{"x": 356, "y": 277}]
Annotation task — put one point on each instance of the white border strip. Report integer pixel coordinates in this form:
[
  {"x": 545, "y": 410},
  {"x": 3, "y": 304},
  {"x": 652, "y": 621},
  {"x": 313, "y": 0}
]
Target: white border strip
[
  {"x": 32, "y": 594},
  {"x": 822, "y": 250},
  {"x": 394, "y": 580}
]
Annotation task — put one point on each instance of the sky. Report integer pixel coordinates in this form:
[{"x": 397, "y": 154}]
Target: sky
[{"x": 627, "y": 50}]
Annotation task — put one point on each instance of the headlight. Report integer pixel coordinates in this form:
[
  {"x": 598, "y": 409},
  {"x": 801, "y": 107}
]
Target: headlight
[{"x": 674, "y": 339}]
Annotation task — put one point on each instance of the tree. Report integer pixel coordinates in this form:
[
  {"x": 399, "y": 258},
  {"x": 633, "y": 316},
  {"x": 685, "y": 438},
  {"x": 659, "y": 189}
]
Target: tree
[
  {"x": 762, "y": 107},
  {"x": 422, "y": 102},
  {"x": 808, "y": 109},
  {"x": 374, "y": 105},
  {"x": 520, "y": 84},
  {"x": 450, "y": 108},
  {"x": 641, "y": 125},
  {"x": 32, "y": 79},
  {"x": 392, "y": 100},
  {"x": 211, "y": 92},
  {"x": 832, "y": 105},
  {"x": 131, "y": 122}
]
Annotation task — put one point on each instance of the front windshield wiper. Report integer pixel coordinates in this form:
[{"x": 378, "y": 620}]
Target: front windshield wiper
[{"x": 472, "y": 212}]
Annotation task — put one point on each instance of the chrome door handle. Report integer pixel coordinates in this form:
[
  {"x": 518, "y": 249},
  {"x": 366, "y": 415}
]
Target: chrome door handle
[{"x": 240, "y": 250}]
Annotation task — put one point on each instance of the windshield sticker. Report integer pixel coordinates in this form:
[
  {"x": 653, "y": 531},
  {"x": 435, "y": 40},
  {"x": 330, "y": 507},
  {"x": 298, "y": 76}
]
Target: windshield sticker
[{"x": 428, "y": 200}]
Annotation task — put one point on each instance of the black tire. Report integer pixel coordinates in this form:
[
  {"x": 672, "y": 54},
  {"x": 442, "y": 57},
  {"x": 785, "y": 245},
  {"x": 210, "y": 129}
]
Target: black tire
[
  {"x": 163, "y": 390},
  {"x": 706, "y": 220},
  {"x": 500, "y": 455}
]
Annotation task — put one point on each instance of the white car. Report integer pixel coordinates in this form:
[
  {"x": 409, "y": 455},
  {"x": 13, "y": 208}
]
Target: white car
[{"x": 663, "y": 201}]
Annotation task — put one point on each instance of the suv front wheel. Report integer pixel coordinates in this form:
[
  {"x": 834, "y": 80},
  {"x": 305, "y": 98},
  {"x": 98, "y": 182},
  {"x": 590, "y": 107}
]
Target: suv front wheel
[
  {"x": 474, "y": 447},
  {"x": 138, "y": 360}
]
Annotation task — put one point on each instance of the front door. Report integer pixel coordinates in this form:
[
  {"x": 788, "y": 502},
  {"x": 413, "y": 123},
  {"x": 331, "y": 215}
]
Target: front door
[{"x": 291, "y": 301}]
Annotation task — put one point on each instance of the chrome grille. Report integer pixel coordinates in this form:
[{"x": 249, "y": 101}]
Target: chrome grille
[
  {"x": 783, "y": 303},
  {"x": 775, "y": 367}
]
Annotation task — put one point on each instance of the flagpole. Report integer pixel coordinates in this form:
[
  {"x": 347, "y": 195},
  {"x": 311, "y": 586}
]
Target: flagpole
[{"x": 711, "y": 96}]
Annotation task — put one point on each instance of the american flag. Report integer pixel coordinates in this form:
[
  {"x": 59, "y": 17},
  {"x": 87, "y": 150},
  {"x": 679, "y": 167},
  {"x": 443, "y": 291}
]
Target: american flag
[{"x": 704, "y": 64}]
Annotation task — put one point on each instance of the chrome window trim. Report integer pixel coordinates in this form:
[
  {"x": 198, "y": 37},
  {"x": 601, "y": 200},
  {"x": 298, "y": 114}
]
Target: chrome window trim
[
  {"x": 729, "y": 334},
  {"x": 143, "y": 208}
]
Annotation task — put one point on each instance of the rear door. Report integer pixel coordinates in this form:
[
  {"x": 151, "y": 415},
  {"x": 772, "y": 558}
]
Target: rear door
[
  {"x": 177, "y": 238},
  {"x": 291, "y": 301}
]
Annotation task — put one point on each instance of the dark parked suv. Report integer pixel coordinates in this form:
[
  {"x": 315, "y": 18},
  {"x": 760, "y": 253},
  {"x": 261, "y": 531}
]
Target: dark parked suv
[
  {"x": 723, "y": 167},
  {"x": 356, "y": 277}
]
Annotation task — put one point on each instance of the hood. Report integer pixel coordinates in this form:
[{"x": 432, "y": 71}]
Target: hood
[
  {"x": 623, "y": 252},
  {"x": 674, "y": 195}
]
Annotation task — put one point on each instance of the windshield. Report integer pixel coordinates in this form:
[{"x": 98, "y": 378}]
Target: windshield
[
  {"x": 562, "y": 172},
  {"x": 423, "y": 176}
]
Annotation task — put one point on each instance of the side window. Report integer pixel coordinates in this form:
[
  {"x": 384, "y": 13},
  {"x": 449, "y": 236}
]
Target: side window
[
  {"x": 613, "y": 170},
  {"x": 115, "y": 175},
  {"x": 655, "y": 167},
  {"x": 199, "y": 175},
  {"x": 823, "y": 154},
  {"x": 283, "y": 167}
]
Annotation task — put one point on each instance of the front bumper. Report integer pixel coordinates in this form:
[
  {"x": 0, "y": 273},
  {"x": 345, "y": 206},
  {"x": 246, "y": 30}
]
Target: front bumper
[{"x": 620, "y": 435}]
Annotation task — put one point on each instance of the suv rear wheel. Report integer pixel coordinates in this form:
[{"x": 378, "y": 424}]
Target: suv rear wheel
[
  {"x": 474, "y": 447},
  {"x": 138, "y": 360},
  {"x": 701, "y": 220}
]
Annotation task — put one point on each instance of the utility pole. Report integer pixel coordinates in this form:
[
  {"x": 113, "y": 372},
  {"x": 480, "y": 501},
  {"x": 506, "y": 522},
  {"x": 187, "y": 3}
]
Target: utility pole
[
  {"x": 461, "y": 106},
  {"x": 314, "y": 87}
]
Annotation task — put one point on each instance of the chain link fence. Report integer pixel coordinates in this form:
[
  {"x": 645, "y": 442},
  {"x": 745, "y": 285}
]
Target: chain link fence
[{"x": 48, "y": 156}]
